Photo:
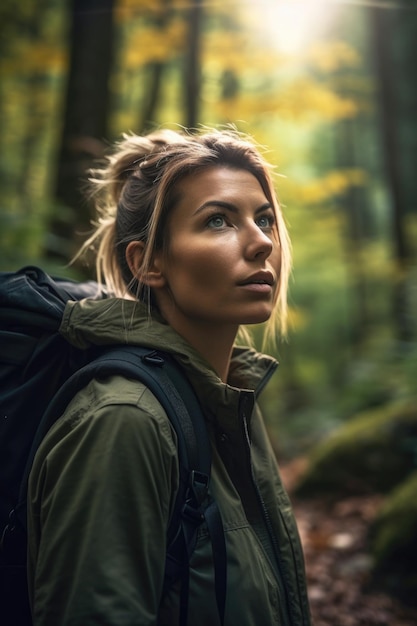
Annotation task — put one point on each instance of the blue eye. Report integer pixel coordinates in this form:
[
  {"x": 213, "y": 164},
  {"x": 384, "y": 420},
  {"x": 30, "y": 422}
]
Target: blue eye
[
  {"x": 266, "y": 221},
  {"x": 217, "y": 221}
]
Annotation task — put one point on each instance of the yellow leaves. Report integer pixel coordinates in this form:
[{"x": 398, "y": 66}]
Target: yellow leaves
[
  {"x": 304, "y": 95},
  {"x": 237, "y": 51},
  {"x": 125, "y": 10},
  {"x": 331, "y": 56},
  {"x": 150, "y": 44},
  {"x": 224, "y": 50},
  {"x": 299, "y": 99},
  {"x": 334, "y": 183},
  {"x": 34, "y": 59},
  {"x": 44, "y": 56},
  {"x": 153, "y": 31}
]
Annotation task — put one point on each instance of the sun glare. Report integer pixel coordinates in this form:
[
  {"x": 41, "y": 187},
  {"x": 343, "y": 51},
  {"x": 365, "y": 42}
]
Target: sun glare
[{"x": 292, "y": 24}]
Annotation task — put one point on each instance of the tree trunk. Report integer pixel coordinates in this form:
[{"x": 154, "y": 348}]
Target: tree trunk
[
  {"x": 86, "y": 110},
  {"x": 192, "y": 65},
  {"x": 155, "y": 71},
  {"x": 382, "y": 37},
  {"x": 353, "y": 208}
]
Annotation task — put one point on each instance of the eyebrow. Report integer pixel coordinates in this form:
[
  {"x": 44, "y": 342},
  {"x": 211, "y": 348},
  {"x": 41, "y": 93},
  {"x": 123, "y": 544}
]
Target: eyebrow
[{"x": 228, "y": 206}]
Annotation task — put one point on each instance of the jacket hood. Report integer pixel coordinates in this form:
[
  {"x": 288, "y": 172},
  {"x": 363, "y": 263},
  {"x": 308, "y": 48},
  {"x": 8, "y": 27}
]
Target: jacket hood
[{"x": 113, "y": 321}]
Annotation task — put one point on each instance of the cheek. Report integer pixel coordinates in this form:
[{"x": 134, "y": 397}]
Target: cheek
[
  {"x": 204, "y": 273},
  {"x": 200, "y": 264}
]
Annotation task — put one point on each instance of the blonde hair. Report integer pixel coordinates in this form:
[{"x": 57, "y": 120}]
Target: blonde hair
[{"x": 134, "y": 193}]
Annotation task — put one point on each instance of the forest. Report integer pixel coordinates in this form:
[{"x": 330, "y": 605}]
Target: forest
[{"x": 328, "y": 88}]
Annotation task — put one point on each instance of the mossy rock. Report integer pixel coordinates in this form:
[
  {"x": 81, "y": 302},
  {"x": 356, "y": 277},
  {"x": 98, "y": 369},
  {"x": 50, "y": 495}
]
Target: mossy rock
[
  {"x": 373, "y": 452},
  {"x": 393, "y": 541}
]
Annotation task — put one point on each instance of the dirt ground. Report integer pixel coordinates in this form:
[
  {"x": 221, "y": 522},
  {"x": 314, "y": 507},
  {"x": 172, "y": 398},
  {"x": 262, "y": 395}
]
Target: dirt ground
[{"x": 338, "y": 564}]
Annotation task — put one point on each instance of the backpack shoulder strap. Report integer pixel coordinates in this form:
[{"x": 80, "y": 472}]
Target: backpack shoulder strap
[
  {"x": 148, "y": 366},
  {"x": 165, "y": 379}
]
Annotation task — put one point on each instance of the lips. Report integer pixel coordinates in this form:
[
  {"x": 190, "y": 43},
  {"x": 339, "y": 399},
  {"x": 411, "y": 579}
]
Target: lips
[{"x": 260, "y": 278}]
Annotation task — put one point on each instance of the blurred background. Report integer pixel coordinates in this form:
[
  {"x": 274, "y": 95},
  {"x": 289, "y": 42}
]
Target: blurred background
[{"x": 330, "y": 89}]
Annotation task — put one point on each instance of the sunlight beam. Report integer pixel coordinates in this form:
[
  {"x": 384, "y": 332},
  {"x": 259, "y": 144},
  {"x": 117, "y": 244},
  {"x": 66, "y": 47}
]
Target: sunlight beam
[{"x": 292, "y": 24}]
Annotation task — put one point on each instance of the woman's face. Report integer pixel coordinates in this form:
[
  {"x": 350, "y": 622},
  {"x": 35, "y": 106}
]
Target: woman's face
[{"x": 223, "y": 260}]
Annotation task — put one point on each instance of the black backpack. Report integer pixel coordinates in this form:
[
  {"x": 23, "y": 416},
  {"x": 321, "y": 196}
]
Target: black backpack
[{"x": 40, "y": 372}]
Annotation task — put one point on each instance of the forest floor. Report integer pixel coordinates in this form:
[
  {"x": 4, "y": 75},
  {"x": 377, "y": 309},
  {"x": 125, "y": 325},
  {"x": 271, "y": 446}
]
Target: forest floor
[{"x": 334, "y": 538}]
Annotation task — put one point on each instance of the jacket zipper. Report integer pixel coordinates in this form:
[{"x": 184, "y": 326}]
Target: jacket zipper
[{"x": 268, "y": 524}]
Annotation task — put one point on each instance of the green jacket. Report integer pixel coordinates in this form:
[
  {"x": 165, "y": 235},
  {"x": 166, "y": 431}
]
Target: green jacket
[{"x": 104, "y": 481}]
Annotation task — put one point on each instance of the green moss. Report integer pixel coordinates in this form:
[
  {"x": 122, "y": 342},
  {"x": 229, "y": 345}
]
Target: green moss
[
  {"x": 393, "y": 541},
  {"x": 395, "y": 527},
  {"x": 373, "y": 452}
]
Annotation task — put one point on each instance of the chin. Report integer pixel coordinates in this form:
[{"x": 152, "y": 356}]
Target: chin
[{"x": 257, "y": 318}]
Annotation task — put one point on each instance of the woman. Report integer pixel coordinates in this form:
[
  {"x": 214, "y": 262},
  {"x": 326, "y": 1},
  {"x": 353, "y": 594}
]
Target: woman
[{"x": 192, "y": 242}]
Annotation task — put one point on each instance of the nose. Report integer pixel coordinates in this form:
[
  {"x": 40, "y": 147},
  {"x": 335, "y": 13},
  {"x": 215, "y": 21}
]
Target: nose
[{"x": 259, "y": 244}]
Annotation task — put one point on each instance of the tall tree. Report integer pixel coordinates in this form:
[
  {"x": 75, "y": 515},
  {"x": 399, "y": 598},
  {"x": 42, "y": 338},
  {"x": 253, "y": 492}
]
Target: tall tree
[
  {"x": 193, "y": 64},
  {"x": 155, "y": 69},
  {"x": 381, "y": 24},
  {"x": 86, "y": 113}
]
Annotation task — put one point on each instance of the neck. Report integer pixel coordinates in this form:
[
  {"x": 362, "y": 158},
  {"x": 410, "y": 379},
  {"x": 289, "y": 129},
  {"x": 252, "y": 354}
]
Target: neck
[
  {"x": 213, "y": 340},
  {"x": 217, "y": 351},
  {"x": 215, "y": 344}
]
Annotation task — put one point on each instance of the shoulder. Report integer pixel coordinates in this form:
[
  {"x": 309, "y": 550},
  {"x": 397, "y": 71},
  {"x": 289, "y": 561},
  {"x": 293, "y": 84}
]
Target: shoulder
[
  {"x": 115, "y": 395},
  {"x": 115, "y": 413}
]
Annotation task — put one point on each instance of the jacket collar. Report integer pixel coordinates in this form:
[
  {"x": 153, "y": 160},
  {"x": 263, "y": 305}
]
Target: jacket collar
[{"x": 117, "y": 321}]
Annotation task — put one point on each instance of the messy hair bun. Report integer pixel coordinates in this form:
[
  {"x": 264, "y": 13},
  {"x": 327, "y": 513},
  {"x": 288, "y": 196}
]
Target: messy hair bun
[{"x": 124, "y": 190}]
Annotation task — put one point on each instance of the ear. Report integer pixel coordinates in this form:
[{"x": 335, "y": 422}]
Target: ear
[{"x": 154, "y": 277}]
